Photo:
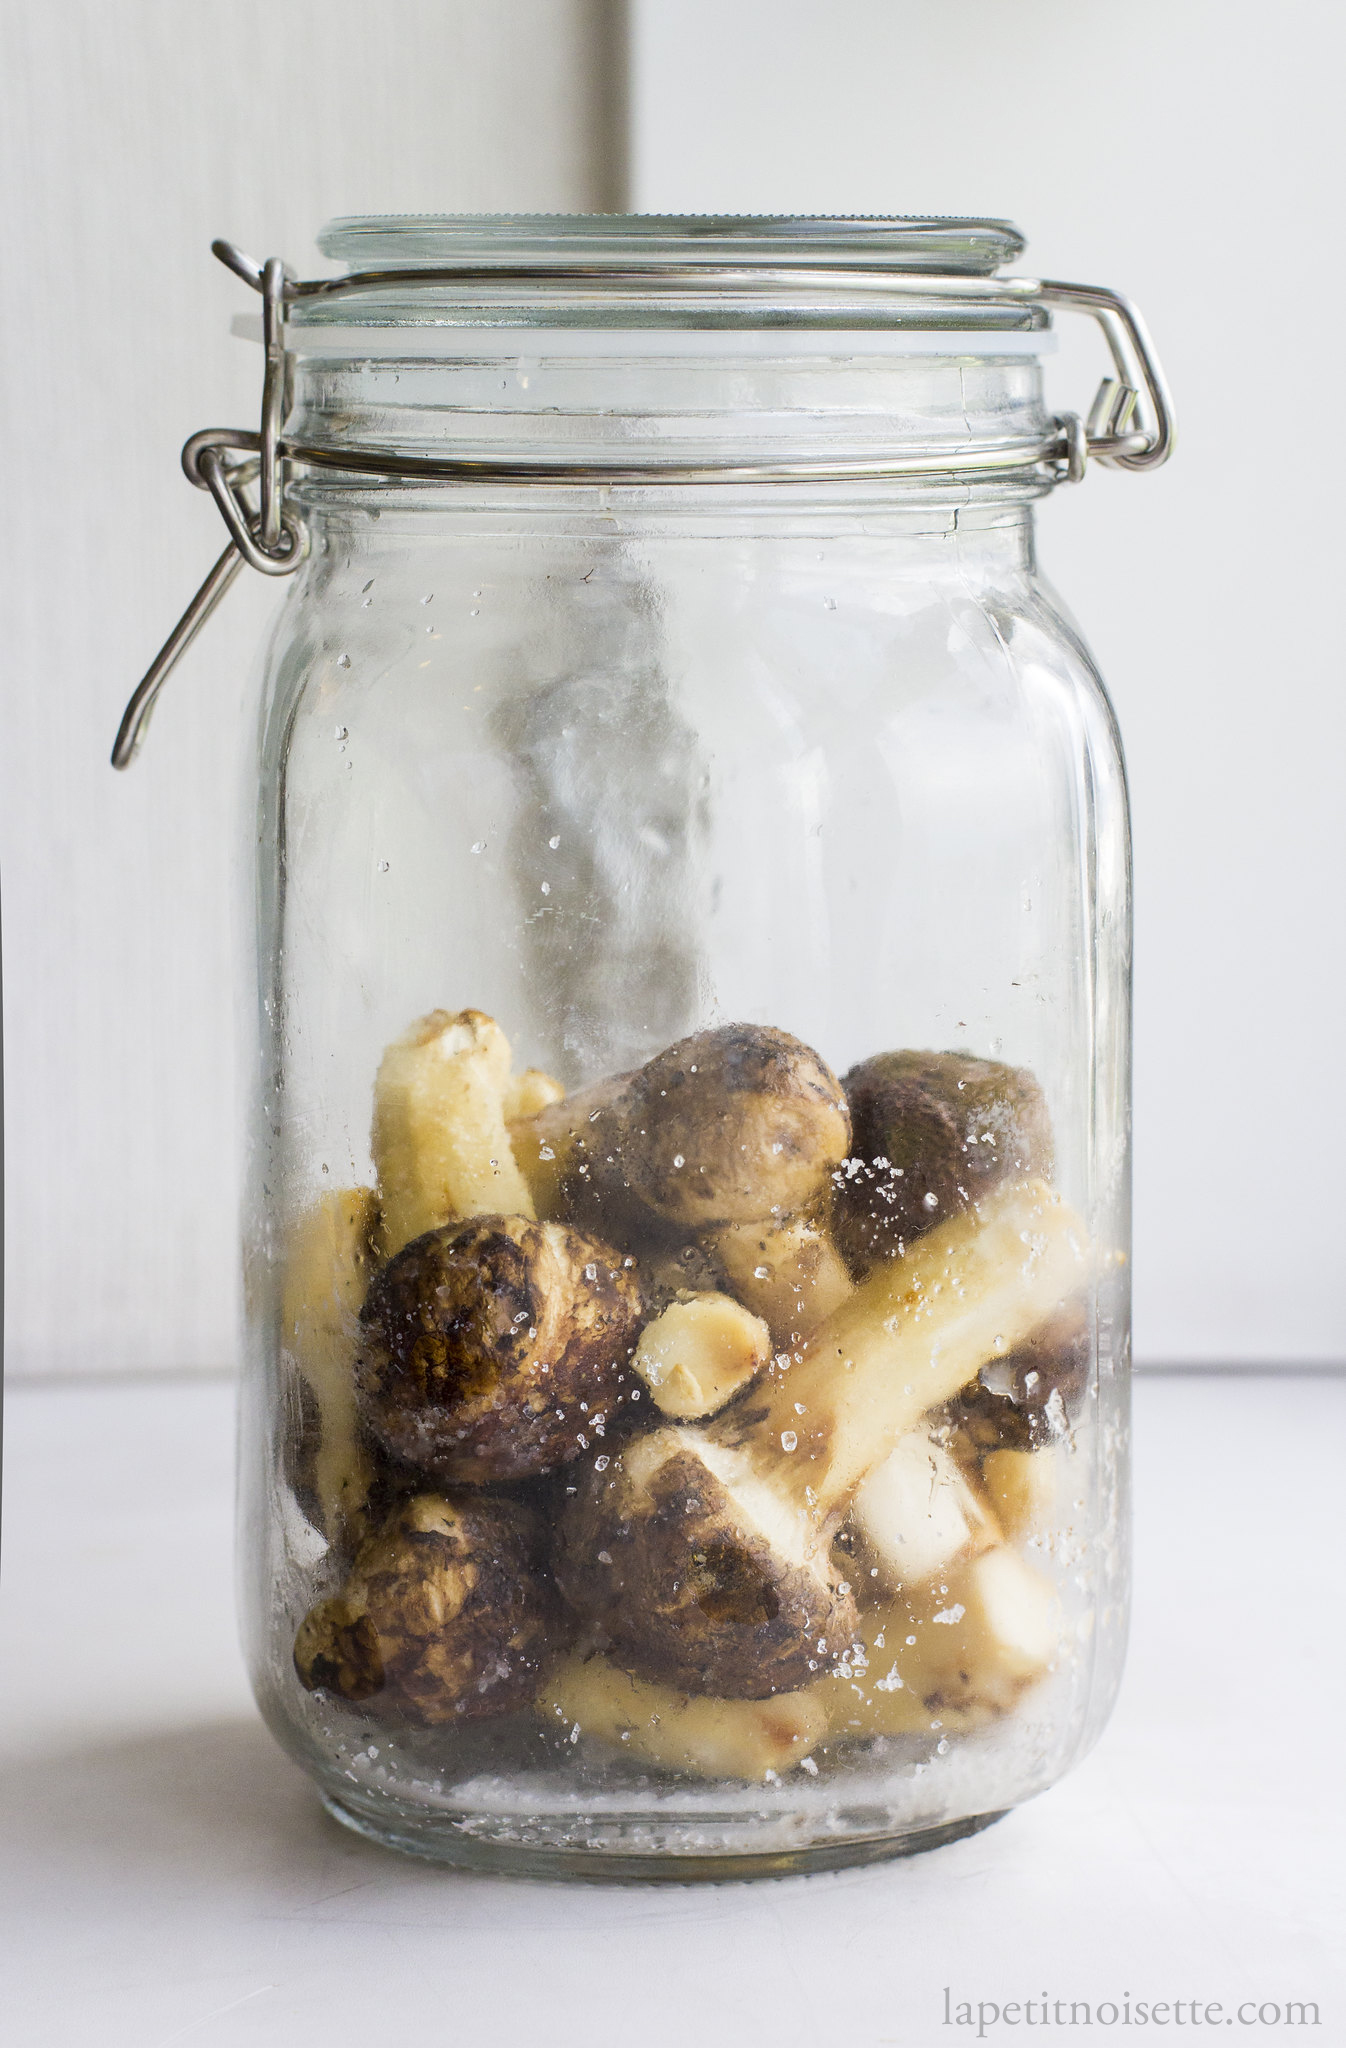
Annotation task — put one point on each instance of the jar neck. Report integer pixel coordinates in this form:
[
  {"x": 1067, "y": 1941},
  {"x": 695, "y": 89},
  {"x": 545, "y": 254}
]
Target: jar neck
[
  {"x": 700, "y": 400},
  {"x": 983, "y": 535}
]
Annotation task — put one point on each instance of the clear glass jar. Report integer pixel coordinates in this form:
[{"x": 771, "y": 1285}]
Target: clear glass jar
[{"x": 685, "y": 1424}]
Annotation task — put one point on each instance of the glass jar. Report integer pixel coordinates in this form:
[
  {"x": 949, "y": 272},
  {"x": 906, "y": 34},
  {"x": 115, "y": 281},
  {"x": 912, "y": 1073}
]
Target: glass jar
[{"x": 684, "y": 1430}]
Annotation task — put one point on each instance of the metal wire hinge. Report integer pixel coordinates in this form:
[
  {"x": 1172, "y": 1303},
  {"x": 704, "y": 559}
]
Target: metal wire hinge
[{"x": 1129, "y": 426}]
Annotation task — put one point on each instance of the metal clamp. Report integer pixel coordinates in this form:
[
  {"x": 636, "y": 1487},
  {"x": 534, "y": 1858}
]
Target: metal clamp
[
  {"x": 1129, "y": 426},
  {"x": 1110, "y": 431}
]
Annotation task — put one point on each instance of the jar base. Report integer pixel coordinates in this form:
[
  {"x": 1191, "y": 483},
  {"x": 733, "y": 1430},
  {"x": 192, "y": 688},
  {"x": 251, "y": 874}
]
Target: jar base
[{"x": 446, "y": 1840}]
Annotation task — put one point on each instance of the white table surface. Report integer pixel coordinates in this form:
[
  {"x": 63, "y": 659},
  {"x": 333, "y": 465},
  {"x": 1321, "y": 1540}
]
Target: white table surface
[{"x": 167, "y": 1876}]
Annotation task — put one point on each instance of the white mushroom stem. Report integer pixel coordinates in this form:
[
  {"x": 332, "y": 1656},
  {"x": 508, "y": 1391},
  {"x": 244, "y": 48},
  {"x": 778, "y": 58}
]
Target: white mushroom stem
[
  {"x": 677, "y": 1731},
  {"x": 529, "y": 1092},
  {"x": 699, "y": 1353},
  {"x": 441, "y": 1145},
  {"x": 950, "y": 1657},
  {"x": 1022, "y": 1488},
  {"x": 326, "y": 1272},
  {"x": 919, "y": 1328},
  {"x": 791, "y": 1273},
  {"x": 916, "y": 1515}
]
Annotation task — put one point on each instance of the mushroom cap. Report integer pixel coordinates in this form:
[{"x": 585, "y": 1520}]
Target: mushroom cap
[
  {"x": 497, "y": 1348},
  {"x": 931, "y": 1133},
  {"x": 447, "y": 1614},
  {"x": 1025, "y": 1399},
  {"x": 695, "y": 1576},
  {"x": 731, "y": 1125}
]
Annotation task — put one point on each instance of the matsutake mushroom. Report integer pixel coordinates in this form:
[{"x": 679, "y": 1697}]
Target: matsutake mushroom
[{"x": 702, "y": 1557}]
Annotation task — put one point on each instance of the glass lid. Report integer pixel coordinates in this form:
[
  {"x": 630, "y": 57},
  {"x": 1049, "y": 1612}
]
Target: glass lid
[{"x": 672, "y": 241}]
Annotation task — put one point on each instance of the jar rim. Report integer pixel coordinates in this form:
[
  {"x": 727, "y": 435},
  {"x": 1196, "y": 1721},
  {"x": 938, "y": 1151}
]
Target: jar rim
[{"x": 946, "y": 246}]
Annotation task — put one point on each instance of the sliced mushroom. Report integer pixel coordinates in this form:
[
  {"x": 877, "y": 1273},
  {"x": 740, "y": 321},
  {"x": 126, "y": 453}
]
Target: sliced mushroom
[
  {"x": 498, "y": 1348},
  {"x": 445, "y": 1616},
  {"x": 678, "y": 1731},
  {"x": 699, "y": 1353},
  {"x": 714, "y": 1544},
  {"x": 440, "y": 1142}
]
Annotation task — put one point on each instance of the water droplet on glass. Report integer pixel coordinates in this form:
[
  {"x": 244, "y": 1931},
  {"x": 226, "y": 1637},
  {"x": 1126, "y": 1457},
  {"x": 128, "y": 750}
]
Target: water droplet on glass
[
  {"x": 553, "y": 843},
  {"x": 383, "y": 867},
  {"x": 829, "y": 604},
  {"x": 601, "y": 1465},
  {"x": 761, "y": 1272},
  {"x": 678, "y": 1159},
  {"x": 930, "y": 1201},
  {"x": 429, "y": 598},
  {"x": 367, "y": 588},
  {"x": 343, "y": 661},
  {"x": 545, "y": 1152},
  {"x": 789, "y": 1441},
  {"x": 590, "y": 1273},
  {"x": 342, "y": 733},
  {"x": 479, "y": 846},
  {"x": 546, "y": 888}
]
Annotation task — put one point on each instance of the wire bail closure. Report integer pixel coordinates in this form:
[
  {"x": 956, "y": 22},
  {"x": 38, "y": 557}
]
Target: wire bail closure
[{"x": 1130, "y": 425}]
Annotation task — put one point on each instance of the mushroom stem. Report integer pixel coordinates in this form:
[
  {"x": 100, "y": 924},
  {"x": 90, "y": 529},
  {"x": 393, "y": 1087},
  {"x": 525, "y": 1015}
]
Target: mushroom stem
[
  {"x": 440, "y": 1142},
  {"x": 917, "y": 1515},
  {"x": 703, "y": 1555},
  {"x": 952, "y": 1656},
  {"x": 327, "y": 1262},
  {"x": 909, "y": 1337},
  {"x": 681, "y": 1731},
  {"x": 789, "y": 1273}
]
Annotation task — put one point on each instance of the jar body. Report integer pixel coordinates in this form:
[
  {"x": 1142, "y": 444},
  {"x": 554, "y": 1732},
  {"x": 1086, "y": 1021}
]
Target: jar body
[{"x": 619, "y": 772}]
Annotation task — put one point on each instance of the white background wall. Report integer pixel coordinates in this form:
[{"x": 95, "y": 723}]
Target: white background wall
[
  {"x": 133, "y": 131},
  {"x": 1188, "y": 152}
]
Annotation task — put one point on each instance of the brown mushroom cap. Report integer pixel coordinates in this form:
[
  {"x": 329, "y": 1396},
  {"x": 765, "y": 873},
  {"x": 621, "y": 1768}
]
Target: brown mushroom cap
[
  {"x": 1027, "y": 1398},
  {"x": 497, "y": 1348},
  {"x": 695, "y": 1576},
  {"x": 446, "y": 1615},
  {"x": 731, "y": 1125},
  {"x": 931, "y": 1133},
  {"x": 571, "y": 1154}
]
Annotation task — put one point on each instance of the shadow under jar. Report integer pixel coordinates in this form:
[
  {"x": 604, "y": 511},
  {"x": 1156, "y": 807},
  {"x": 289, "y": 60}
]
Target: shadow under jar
[{"x": 685, "y": 1423}]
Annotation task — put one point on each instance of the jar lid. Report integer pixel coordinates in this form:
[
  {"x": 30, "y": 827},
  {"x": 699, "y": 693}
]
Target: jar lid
[
  {"x": 671, "y": 241},
  {"x": 631, "y": 271}
]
